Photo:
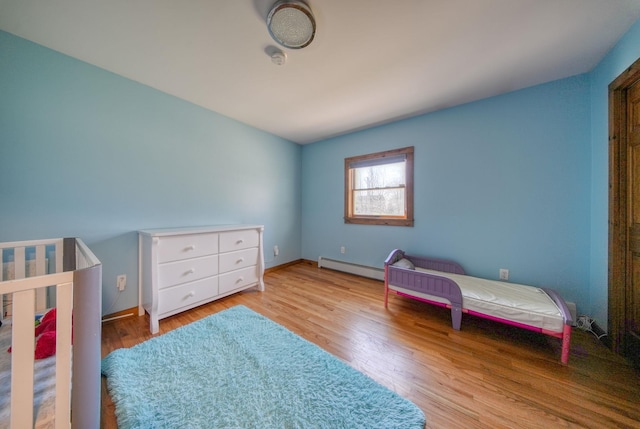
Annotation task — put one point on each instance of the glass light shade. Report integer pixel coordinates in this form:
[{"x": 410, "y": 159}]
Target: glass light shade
[{"x": 291, "y": 24}]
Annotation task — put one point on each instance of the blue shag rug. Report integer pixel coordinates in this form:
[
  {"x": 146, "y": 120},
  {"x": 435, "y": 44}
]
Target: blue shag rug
[{"x": 238, "y": 369}]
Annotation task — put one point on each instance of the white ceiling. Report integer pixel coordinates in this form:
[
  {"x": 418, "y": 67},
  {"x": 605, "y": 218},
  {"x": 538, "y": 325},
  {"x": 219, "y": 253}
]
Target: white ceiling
[{"x": 371, "y": 62}]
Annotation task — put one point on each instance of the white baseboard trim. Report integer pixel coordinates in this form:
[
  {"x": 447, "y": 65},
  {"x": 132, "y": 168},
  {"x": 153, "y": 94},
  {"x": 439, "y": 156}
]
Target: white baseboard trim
[{"x": 351, "y": 268}]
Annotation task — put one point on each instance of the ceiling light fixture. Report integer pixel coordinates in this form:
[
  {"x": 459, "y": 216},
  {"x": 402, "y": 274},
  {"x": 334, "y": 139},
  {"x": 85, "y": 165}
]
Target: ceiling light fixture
[{"x": 291, "y": 24}]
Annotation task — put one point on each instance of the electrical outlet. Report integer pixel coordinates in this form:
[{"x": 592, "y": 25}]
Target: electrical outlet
[
  {"x": 276, "y": 251},
  {"x": 121, "y": 282},
  {"x": 504, "y": 274},
  {"x": 343, "y": 250}
]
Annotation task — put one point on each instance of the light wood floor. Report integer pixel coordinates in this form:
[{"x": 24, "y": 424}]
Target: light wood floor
[{"x": 486, "y": 375}]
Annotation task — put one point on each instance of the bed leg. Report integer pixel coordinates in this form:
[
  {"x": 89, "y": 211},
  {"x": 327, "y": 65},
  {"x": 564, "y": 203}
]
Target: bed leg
[
  {"x": 456, "y": 316},
  {"x": 566, "y": 342}
]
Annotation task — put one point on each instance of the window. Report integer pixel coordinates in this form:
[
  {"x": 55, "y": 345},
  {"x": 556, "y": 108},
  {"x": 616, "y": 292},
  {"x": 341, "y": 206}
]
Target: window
[{"x": 379, "y": 188}]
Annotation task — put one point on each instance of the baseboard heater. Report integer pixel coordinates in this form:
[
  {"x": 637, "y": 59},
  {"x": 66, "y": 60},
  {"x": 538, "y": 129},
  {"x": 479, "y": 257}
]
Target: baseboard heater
[{"x": 351, "y": 268}]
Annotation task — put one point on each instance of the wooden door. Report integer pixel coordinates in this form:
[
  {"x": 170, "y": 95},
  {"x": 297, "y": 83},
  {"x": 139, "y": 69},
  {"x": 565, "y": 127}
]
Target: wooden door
[
  {"x": 624, "y": 213},
  {"x": 632, "y": 310}
]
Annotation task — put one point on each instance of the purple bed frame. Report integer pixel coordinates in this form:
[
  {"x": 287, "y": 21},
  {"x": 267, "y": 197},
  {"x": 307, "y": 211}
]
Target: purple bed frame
[{"x": 448, "y": 289}]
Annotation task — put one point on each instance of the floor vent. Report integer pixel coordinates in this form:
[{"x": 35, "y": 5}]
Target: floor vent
[{"x": 348, "y": 267}]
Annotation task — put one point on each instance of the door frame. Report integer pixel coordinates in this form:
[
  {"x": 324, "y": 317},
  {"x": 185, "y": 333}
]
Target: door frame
[{"x": 619, "y": 293}]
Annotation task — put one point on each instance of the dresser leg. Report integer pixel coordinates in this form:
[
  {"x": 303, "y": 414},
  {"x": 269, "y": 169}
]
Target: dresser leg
[{"x": 154, "y": 326}]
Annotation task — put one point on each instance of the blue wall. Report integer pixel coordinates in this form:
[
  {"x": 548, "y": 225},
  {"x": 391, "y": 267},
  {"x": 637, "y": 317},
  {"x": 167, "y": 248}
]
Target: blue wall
[
  {"x": 625, "y": 53},
  {"x": 499, "y": 183},
  {"x": 87, "y": 153}
]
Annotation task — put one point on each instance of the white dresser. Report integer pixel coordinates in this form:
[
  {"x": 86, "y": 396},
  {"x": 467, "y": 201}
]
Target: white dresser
[{"x": 181, "y": 268}]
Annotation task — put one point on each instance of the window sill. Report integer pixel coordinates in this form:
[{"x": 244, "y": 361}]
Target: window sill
[{"x": 379, "y": 221}]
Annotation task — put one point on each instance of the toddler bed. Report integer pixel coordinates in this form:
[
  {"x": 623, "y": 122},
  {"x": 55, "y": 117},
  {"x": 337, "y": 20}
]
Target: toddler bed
[
  {"x": 444, "y": 283},
  {"x": 60, "y": 273}
]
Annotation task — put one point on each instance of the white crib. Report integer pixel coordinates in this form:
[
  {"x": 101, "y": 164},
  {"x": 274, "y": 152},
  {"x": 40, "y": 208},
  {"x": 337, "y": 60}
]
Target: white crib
[{"x": 65, "y": 274}]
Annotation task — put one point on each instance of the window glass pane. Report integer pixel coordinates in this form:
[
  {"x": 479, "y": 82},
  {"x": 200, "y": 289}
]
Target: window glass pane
[
  {"x": 384, "y": 202},
  {"x": 380, "y": 176}
]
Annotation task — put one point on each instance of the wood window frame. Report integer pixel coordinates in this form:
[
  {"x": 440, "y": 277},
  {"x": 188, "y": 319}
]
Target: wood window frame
[{"x": 406, "y": 220}]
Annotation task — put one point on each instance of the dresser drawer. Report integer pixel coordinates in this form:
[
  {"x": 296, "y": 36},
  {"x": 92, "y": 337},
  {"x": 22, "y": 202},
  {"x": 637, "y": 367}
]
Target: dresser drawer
[
  {"x": 237, "y": 279},
  {"x": 186, "y": 246},
  {"x": 186, "y": 294},
  {"x": 237, "y": 240},
  {"x": 188, "y": 270},
  {"x": 240, "y": 259}
]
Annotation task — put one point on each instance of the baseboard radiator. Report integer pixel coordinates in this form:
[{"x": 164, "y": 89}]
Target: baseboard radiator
[{"x": 351, "y": 268}]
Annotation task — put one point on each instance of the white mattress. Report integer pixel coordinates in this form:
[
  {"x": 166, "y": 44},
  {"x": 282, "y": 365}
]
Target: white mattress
[{"x": 510, "y": 301}]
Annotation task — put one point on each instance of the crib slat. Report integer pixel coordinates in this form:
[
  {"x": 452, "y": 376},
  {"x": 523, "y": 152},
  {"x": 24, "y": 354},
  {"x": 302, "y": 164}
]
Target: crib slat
[
  {"x": 41, "y": 293},
  {"x": 59, "y": 256},
  {"x": 64, "y": 294},
  {"x": 41, "y": 268},
  {"x": 19, "y": 263},
  {"x": 22, "y": 356}
]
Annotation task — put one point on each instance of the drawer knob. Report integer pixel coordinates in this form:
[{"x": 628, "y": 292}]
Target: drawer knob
[
  {"x": 240, "y": 260},
  {"x": 240, "y": 280},
  {"x": 191, "y": 247},
  {"x": 191, "y": 294},
  {"x": 240, "y": 241},
  {"x": 191, "y": 271}
]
